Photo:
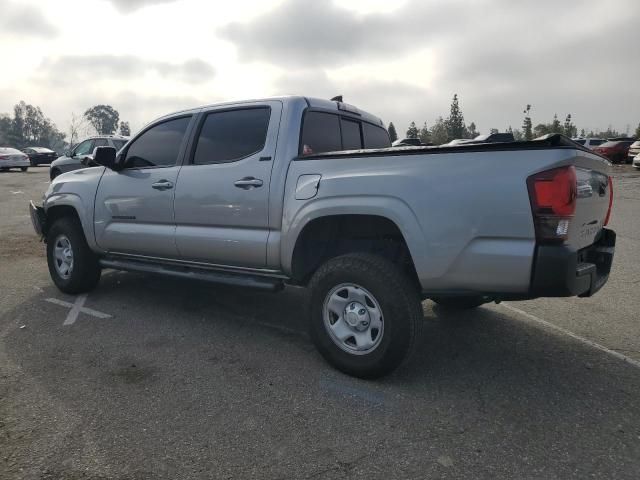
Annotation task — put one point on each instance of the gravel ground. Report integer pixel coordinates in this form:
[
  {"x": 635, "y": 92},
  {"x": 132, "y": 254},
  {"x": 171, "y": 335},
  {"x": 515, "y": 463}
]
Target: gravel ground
[{"x": 187, "y": 380}]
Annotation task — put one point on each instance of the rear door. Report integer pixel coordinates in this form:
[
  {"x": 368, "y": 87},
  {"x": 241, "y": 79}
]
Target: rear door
[
  {"x": 134, "y": 206},
  {"x": 222, "y": 193}
]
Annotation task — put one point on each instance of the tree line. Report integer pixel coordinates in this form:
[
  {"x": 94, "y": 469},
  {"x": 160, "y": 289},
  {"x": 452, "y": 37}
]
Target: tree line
[
  {"x": 454, "y": 127},
  {"x": 28, "y": 126}
]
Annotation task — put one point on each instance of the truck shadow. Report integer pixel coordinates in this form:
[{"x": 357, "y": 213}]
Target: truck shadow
[{"x": 486, "y": 341}]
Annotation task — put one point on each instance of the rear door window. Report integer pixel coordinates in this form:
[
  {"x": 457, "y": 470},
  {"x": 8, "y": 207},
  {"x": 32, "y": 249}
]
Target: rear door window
[
  {"x": 375, "y": 137},
  {"x": 320, "y": 133},
  {"x": 232, "y": 135},
  {"x": 351, "y": 137},
  {"x": 84, "y": 148}
]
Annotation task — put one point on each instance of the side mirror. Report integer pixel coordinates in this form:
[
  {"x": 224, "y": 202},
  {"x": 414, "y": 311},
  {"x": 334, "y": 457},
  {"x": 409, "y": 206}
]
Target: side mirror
[
  {"x": 105, "y": 156},
  {"x": 67, "y": 153}
]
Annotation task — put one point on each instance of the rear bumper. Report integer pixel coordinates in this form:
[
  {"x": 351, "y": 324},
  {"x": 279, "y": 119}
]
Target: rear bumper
[
  {"x": 562, "y": 272},
  {"x": 14, "y": 163}
]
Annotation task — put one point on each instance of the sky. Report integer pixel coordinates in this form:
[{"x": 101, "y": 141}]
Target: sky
[{"x": 402, "y": 60}]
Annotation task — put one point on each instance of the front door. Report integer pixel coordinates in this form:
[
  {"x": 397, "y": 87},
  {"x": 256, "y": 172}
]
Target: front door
[
  {"x": 222, "y": 195},
  {"x": 134, "y": 206}
]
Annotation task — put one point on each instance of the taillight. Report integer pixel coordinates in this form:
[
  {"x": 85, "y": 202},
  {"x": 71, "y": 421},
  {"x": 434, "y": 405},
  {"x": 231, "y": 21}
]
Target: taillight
[
  {"x": 553, "y": 202},
  {"x": 606, "y": 219}
]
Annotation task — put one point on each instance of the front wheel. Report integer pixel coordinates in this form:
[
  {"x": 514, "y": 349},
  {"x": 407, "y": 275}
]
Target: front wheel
[
  {"x": 366, "y": 314},
  {"x": 73, "y": 267}
]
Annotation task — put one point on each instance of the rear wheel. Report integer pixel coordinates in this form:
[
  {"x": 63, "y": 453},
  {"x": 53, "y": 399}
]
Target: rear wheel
[
  {"x": 24, "y": 169},
  {"x": 73, "y": 267},
  {"x": 460, "y": 303},
  {"x": 366, "y": 314},
  {"x": 54, "y": 173}
]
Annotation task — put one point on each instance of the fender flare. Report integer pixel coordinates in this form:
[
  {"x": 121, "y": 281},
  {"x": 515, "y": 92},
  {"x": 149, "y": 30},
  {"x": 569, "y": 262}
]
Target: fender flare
[
  {"x": 84, "y": 212},
  {"x": 391, "y": 208}
]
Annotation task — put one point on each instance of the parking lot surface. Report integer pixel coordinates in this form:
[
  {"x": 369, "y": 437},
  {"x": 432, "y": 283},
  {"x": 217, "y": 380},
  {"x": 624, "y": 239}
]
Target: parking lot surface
[{"x": 150, "y": 377}]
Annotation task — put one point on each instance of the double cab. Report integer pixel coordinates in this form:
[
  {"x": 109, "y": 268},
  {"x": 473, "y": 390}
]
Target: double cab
[{"x": 310, "y": 192}]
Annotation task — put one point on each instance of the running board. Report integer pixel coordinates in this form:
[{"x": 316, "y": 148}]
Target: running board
[{"x": 228, "y": 278}]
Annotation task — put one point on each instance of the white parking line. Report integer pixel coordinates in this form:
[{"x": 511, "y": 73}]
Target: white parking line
[
  {"x": 77, "y": 307},
  {"x": 586, "y": 341}
]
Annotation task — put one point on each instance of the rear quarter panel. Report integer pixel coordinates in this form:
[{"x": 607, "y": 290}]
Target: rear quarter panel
[{"x": 466, "y": 217}]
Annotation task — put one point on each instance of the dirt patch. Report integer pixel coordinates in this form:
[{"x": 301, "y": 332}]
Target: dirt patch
[{"x": 14, "y": 246}]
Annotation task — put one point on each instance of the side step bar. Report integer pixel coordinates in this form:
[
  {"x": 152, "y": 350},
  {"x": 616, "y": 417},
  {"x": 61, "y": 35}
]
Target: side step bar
[{"x": 228, "y": 278}]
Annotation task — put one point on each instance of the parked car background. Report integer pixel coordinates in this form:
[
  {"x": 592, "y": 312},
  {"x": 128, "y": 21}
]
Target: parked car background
[
  {"x": 39, "y": 155},
  {"x": 616, "y": 149},
  {"x": 634, "y": 150},
  {"x": 13, "y": 158},
  {"x": 636, "y": 161},
  {"x": 589, "y": 142},
  {"x": 81, "y": 155}
]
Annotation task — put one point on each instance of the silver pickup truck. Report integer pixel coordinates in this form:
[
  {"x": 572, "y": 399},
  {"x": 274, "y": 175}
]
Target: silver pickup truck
[{"x": 310, "y": 192}]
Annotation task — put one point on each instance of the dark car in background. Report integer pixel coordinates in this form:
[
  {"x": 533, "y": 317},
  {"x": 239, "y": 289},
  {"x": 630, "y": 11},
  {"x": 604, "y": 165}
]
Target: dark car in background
[
  {"x": 616, "y": 149},
  {"x": 81, "y": 156},
  {"x": 39, "y": 155},
  {"x": 634, "y": 150}
]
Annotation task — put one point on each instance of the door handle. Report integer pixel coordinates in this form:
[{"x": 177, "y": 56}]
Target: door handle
[
  {"x": 162, "y": 185},
  {"x": 248, "y": 182}
]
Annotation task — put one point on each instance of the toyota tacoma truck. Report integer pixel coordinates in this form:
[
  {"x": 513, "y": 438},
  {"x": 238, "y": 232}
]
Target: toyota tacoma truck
[{"x": 309, "y": 192}]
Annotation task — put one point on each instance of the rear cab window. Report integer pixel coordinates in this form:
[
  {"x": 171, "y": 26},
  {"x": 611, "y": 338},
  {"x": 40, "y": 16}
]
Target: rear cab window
[
  {"x": 329, "y": 132},
  {"x": 375, "y": 137}
]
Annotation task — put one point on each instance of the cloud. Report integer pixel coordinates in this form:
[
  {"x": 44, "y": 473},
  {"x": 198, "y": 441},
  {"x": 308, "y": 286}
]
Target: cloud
[
  {"x": 62, "y": 69},
  {"x": 391, "y": 100},
  {"x": 24, "y": 20},
  {"x": 497, "y": 55},
  {"x": 128, "y": 6},
  {"x": 321, "y": 33}
]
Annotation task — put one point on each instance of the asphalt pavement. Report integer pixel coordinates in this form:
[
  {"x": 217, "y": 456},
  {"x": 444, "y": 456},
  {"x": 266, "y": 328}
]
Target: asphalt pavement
[{"x": 150, "y": 377}]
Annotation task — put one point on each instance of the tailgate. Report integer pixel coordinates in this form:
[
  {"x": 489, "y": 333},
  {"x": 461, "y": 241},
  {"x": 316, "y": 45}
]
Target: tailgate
[{"x": 592, "y": 203}]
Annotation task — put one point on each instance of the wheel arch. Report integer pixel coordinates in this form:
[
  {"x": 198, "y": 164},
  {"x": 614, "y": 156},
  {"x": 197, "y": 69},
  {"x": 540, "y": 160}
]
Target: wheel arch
[
  {"x": 69, "y": 205},
  {"x": 335, "y": 228}
]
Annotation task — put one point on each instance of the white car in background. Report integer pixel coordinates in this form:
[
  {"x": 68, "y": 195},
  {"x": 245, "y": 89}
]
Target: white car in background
[
  {"x": 13, "y": 158},
  {"x": 589, "y": 142},
  {"x": 636, "y": 161}
]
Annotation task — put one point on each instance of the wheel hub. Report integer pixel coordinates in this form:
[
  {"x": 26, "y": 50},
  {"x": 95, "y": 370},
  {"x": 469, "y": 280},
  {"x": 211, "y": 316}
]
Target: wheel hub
[
  {"x": 357, "y": 316},
  {"x": 353, "y": 318},
  {"x": 63, "y": 256}
]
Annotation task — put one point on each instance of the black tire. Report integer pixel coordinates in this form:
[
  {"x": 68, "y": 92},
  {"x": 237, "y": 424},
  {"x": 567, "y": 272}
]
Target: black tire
[
  {"x": 399, "y": 301},
  {"x": 24, "y": 169},
  {"x": 460, "y": 303},
  {"x": 85, "y": 274},
  {"x": 54, "y": 173}
]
